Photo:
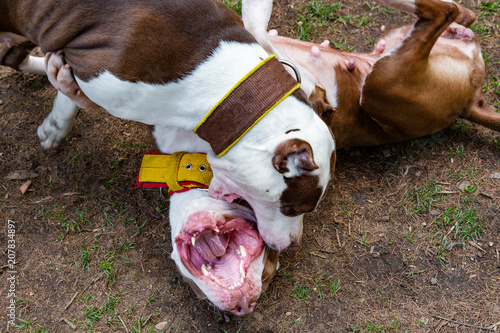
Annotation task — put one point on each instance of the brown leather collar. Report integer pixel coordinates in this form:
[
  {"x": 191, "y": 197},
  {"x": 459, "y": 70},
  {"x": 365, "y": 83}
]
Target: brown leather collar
[{"x": 245, "y": 104}]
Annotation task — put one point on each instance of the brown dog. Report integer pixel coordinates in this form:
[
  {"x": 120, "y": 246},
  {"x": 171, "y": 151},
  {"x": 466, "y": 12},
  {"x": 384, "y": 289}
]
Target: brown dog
[{"x": 416, "y": 82}]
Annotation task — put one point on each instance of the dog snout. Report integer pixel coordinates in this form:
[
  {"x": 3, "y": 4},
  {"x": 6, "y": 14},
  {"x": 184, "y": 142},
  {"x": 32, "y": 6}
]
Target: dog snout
[
  {"x": 244, "y": 307},
  {"x": 294, "y": 246}
]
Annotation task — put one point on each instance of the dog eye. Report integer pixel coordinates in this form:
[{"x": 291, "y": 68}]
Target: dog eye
[
  {"x": 189, "y": 166},
  {"x": 203, "y": 167}
]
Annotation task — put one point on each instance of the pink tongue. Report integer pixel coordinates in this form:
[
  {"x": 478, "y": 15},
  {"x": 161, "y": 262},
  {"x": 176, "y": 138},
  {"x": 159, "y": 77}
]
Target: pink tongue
[{"x": 211, "y": 245}]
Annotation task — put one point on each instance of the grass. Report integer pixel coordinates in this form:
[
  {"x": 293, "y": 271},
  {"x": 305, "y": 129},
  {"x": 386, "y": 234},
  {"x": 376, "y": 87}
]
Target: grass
[
  {"x": 94, "y": 314},
  {"x": 466, "y": 222},
  {"x": 71, "y": 225},
  {"x": 458, "y": 152},
  {"x": 314, "y": 18},
  {"x": 486, "y": 12},
  {"x": 234, "y": 5},
  {"x": 424, "y": 197},
  {"x": 332, "y": 287},
  {"x": 85, "y": 258},
  {"x": 459, "y": 219},
  {"x": 301, "y": 292},
  {"x": 415, "y": 271}
]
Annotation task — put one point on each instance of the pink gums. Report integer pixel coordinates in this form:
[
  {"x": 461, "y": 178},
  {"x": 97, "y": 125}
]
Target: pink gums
[{"x": 219, "y": 249}]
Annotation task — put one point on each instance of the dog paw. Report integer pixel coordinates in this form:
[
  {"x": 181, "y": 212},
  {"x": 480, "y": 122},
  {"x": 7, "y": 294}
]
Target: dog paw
[
  {"x": 51, "y": 132},
  {"x": 58, "y": 123}
]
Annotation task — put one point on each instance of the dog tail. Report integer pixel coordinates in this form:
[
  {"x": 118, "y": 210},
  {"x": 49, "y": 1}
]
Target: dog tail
[{"x": 483, "y": 116}]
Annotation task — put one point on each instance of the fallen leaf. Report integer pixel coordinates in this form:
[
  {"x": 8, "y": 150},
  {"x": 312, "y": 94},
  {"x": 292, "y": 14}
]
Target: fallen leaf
[{"x": 21, "y": 175}]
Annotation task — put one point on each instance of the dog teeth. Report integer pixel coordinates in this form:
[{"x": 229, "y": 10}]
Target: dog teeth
[
  {"x": 216, "y": 230},
  {"x": 204, "y": 270},
  {"x": 242, "y": 271},
  {"x": 236, "y": 285},
  {"x": 243, "y": 251},
  {"x": 193, "y": 240}
]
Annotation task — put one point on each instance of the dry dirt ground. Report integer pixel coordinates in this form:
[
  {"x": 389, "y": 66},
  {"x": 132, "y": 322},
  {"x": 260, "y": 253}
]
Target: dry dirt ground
[{"x": 406, "y": 239}]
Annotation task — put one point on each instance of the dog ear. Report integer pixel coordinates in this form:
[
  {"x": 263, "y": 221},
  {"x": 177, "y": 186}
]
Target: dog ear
[
  {"x": 294, "y": 155},
  {"x": 320, "y": 104}
]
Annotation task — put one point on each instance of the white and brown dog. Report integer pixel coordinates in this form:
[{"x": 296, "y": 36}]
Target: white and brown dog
[
  {"x": 416, "y": 82},
  {"x": 191, "y": 65}
]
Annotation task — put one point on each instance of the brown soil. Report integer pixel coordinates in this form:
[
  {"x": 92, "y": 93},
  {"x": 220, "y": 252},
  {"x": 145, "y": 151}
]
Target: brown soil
[{"x": 380, "y": 234}]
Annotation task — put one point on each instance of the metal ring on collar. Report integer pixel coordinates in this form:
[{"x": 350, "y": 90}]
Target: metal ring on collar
[{"x": 293, "y": 67}]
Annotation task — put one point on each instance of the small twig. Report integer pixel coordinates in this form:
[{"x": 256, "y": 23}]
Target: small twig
[
  {"x": 487, "y": 195},
  {"x": 79, "y": 292},
  {"x": 70, "y": 324},
  {"x": 126, "y": 329},
  {"x": 460, "y": 323},
  {"x": 449, "y": 232},
  {"x": 147, "y": 319},
  {"x": 476, "y": 246},
  {"x": 317, "y": 255},
  {"x": 338, "y": 238}
]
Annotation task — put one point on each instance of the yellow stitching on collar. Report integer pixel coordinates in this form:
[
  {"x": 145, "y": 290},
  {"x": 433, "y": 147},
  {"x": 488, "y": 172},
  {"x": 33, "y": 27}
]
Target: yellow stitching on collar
[
  {"x": 259, "y": 119},
  {"x": 172, "y": 169},
  {"x": 262, "y": 63}
]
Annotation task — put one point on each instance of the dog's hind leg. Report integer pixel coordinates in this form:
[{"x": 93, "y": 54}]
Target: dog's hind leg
[
  {"x": 483, "y": 116},
  {"x": 407, "y": 93},
  {"x": 58, "y": 123},
  {"x": 465, "y": 16},
  {"x": 60, "y": 120},
  {"x": 62, "y": 117}
]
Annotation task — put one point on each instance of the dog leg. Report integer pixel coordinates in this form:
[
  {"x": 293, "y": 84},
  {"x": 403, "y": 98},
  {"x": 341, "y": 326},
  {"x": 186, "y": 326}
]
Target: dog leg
[
  {"x": 433, "y": 17},
  {"x": 32, "y": 64},
  {"x": 58, "y": 123},
  {"x": 15, "y": 56},
  {"x": 407, "y": 93},
  {"x": 483, "y": 116},
  {"x": 465, "y": 16},
  {"x": 60, "y": 120},
  {"x": 256, "y": 15}
]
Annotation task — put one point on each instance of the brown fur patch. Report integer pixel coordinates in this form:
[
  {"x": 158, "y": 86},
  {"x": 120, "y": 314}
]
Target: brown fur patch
[
  {"x": 153, "y": 41},
  {"x": 301, "y": 195}
]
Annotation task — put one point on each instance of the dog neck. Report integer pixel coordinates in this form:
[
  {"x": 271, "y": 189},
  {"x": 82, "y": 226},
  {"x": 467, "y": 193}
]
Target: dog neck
[
  {"x": 256, "y": 94},
  {"x": 182, "y": 103}
]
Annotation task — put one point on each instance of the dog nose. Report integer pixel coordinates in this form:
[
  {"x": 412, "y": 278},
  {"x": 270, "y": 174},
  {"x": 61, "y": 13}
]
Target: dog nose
[
  {"x": 294, "y": 246},
  {"x": 245, "y": 306}
]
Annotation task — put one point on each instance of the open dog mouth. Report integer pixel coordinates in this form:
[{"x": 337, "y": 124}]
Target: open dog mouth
[{"x": 219, "y": 248}]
